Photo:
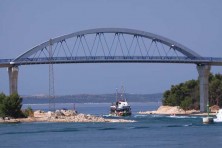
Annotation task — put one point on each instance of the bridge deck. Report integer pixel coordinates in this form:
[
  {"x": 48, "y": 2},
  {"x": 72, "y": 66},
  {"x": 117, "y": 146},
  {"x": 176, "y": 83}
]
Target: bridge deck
[
  {"x": 112, "y": 59},
  {"x": 5, "y": 62}
]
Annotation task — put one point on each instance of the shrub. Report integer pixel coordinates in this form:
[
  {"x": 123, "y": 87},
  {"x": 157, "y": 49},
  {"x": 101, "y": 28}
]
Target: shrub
[
  {"x": 10, "y": 106},
  {"x": 186, "y": 104},
  {"x": 28, "y": 112}
]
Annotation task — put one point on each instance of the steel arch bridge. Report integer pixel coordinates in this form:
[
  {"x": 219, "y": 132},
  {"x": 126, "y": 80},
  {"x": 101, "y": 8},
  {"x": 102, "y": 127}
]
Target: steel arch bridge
[{"x": 113, "y": 45}]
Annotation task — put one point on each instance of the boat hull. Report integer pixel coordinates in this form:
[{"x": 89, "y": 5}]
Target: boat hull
[
  {"x": 121, "y": 114},
  {"x": 219, "y": 116},
  {"x": 216, "y": 120},
  {"x": 208, "y": 120}
]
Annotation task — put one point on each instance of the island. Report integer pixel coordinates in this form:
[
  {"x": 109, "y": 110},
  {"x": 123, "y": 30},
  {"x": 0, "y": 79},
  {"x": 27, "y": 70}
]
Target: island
[{"x": 60, "y": 116}]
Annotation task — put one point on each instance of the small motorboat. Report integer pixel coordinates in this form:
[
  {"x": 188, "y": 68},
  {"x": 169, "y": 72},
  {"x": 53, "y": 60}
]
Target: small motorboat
[{"x": 219, "y": 116}]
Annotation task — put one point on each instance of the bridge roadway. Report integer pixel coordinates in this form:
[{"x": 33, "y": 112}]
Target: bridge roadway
[{"x": 113, "y": 59}]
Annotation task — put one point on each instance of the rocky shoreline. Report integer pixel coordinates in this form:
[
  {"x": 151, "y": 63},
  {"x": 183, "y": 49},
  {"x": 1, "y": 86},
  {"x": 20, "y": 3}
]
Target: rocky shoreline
[
  {"x": 174, "y": 110},
  {"x": 61, "y": 116}
]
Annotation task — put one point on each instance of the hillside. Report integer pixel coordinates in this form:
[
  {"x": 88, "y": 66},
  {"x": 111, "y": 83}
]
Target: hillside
[{"x": 93, "y": 98}]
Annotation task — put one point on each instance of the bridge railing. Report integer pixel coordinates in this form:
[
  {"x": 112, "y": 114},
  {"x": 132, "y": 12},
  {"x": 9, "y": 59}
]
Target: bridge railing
[
  {"x": 6, "y": 60},
  {"x": 104, "y": 58},
  {"x": 120, "y": 57},
  {"x": 88, "y": 59},
  {"x": 107, "y": 59}
]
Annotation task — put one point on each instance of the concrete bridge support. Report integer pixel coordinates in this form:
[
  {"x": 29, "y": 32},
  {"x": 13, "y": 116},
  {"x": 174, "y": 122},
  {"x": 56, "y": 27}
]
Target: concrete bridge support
[
  {"x": 204, "y": 71},
  {"x": 13, "y": 79}
]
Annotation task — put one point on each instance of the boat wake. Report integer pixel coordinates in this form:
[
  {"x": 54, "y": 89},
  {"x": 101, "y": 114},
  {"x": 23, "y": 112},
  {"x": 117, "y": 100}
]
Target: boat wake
[{"x": 182, "y": 117}]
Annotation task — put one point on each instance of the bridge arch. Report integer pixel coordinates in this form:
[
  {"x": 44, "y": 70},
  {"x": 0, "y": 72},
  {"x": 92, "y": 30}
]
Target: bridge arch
[
  {"x": 156, "y": 38},
  {"x": 188, "y": 55}
]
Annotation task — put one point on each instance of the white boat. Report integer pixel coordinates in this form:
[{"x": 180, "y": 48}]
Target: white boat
[
  {"x": 121, "y": 106},
  {"x": 219, "y": 116}
]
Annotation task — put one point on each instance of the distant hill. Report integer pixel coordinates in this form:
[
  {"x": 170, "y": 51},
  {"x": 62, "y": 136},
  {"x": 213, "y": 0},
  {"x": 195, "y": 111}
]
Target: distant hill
[{"x": 93, "y": 98}]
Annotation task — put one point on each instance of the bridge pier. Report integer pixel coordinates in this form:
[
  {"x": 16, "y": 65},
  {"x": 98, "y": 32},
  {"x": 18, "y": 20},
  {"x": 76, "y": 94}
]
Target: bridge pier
[
  {"x": 13, "y": 79},
  {"x": 204, "y": 71}
]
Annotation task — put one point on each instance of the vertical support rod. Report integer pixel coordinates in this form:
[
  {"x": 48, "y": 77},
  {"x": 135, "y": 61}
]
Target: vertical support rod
[
  {"x": 13, "y": 79},
  {"x": 51, "y": 79},
  {"x": 204, "y": 71}
]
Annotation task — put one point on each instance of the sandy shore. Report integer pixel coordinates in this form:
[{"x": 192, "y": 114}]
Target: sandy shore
[
  {"x": 62, "y": 116},
  {"x": 175, "y": 110}
]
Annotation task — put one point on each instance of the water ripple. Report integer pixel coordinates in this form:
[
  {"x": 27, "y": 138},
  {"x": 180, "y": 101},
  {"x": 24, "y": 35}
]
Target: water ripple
[{"x": 42, "y": 131}]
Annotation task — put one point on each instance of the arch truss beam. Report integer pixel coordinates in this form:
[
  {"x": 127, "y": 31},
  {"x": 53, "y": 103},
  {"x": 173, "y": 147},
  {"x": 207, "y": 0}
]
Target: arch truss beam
[{"x": 108, "y": 43}]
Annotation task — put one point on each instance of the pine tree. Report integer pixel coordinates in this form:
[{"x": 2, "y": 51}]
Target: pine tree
[{"x": 10, "y": 106}]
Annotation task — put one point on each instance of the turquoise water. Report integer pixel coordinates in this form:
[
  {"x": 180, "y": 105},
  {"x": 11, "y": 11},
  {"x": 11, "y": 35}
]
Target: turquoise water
[{"x": 148, "y": 131}]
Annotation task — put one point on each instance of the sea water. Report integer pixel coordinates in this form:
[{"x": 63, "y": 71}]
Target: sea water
[{"x": 148, "y": 131}]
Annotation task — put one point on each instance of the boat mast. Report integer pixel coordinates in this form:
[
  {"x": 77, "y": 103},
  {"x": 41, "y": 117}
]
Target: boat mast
[
  {"x": 116, "y": 94},
  {"x": 123, "y": 93}
]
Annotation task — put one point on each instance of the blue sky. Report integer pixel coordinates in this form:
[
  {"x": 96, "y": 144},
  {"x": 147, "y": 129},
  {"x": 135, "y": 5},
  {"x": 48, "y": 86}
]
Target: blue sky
[{"x": 25, "y": 24}]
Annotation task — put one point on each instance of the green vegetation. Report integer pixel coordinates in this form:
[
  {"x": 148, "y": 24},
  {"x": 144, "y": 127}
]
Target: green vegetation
[
  {"x": 28, "y": 112},
  {"x": 215, "y": 90},
  {"x": 186, "y": 95},
  {"x": 10, "y": 106},
  {"x": 186, "y": 103}
]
